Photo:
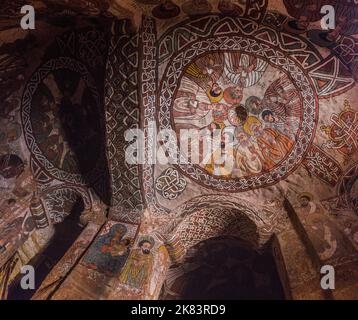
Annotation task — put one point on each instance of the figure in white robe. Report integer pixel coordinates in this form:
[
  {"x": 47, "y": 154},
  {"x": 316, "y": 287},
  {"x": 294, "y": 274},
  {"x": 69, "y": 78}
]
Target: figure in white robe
[
  {"x": 190, "y": 106},
  {"x": 243, "y": 70}
]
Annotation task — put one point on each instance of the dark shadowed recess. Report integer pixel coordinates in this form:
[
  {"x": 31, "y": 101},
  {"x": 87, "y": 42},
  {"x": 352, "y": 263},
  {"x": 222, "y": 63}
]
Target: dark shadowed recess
[
  {"x": 65, "y": 234},
  {"x": 84, "y": 124},
  {"x": 79, "y": 108},
  {"x": 227, "y": 268}
]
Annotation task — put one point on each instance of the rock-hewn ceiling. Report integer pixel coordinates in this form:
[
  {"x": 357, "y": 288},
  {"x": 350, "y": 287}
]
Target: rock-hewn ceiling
[{"x": 263, "y": 71}]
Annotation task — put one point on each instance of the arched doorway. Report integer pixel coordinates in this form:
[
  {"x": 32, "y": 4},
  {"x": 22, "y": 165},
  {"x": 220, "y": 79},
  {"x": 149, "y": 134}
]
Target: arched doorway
[
  {"x": 221, "y": 249},
  {"x": 224, "y": 268}
]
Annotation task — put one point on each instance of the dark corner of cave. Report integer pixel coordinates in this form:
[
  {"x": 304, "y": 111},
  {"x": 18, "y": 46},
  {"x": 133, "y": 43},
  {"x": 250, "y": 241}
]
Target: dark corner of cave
[{"x": 178, "y": 150}]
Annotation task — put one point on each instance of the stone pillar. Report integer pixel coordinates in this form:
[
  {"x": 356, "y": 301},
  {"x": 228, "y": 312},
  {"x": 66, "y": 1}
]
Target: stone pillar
[{"x": 67, "y": 262}]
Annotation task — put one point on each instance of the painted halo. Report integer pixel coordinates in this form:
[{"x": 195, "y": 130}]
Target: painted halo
[{"x": 190, "y": 74}]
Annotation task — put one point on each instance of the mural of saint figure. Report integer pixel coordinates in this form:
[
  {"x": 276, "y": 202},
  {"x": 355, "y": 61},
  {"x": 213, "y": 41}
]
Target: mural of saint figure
[
  {"x": 198, "y": 101},
  {"x": 109, "y": 252},
  {"x": 139, "y": 265},
  {"x": 248, "y": 156},
  {"x": 286, "y": 125},
  {"x": 220, "y": 159},
  {"x": 206, "y": 72},
  {"x": 281, "y": 107},
  {"x": 272, "y": 144},
  {"x": 243, "y": 70},
  {"x": 190, "y": 107},
  {"x": 282, "y": 98},
  {"x": 215, "y": 93},
  {"x": 327, "y": 238}
]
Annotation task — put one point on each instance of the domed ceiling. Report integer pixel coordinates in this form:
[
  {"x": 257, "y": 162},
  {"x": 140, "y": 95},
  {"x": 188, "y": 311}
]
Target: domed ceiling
[{"x": 261, "y": 79}]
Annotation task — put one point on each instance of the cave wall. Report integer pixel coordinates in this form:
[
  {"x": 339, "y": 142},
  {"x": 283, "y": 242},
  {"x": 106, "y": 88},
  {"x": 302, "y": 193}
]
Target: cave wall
[
  {"x": 80, "y": 63},
  {"x": 52, "y": 133}
]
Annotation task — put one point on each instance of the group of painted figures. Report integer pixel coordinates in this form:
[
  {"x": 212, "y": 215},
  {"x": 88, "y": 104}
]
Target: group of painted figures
[
  {"x": 214, "y": 95},
  {"x": 111, "y": 254}
]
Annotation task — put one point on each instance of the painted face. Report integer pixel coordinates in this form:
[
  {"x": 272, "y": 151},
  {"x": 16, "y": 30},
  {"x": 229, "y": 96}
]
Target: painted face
[
  {"x": 241, "y": 113},
  {"x": 233, "y": 119},
  {"x": 237, "y": 92},
  {"x": 256, "y": 129},
  {"x": 146, "y": 246},
  {"x": 118, "y": 233},
  {"x": 255, "y": 106},
  {"x": 216, "y": 89},
  {"x": 12, "y": 171},
  {"x": 304, "y": 201},
  {"x": 269, "y": 118},
  {"x": 242, "y": 137}
]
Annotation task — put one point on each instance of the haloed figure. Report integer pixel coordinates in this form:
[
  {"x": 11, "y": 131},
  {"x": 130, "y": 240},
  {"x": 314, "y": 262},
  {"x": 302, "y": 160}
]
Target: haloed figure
[
  {"x": 237, "y": 115},
  {"x": 215, "y": 90},
  {"x": 286, "y": 125},
  {"x": 272, "y": 144},
  {"x": 109, "y": 252},
  {"x": 139, "y": 264}
]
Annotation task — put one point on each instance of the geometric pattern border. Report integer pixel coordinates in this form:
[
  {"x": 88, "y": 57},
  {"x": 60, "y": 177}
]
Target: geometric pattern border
[
  {"x": 41, "y": 73},
  {"x": 221, "y": 39}
]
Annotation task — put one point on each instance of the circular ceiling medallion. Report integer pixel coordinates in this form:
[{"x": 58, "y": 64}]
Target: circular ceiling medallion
[
  {"x": 253, "y": 92},
  {"x": 60, "y": 108}
]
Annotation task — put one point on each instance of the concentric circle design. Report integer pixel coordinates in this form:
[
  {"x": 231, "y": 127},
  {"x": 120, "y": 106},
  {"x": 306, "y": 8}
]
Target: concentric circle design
[
  {"x": 60, "y": 108},
  {"x": 217, "y": 76}
]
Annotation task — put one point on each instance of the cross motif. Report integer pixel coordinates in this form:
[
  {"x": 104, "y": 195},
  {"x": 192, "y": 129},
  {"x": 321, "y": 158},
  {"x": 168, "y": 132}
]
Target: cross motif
[
  {"x": 169, "y": 184},
  {"x": 343, "y": 131}
]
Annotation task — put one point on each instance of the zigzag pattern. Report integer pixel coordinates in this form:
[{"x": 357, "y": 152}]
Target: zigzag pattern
[
  {"x": 31, "y": 87},
  {"x": 243, "y": 42},
  {"x": 122, "y": 112}
]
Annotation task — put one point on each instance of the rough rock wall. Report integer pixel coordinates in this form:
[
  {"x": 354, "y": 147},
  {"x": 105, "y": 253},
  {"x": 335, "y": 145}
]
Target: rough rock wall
[
  {"x": 298, "y": 89},
  {"x": 267, "y": 61},
  {"x": 52, "y": 134}
]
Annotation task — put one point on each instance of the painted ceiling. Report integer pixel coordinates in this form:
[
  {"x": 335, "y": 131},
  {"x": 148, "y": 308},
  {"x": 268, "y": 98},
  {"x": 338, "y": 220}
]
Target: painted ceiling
[{"x": 92, "y": 69}]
